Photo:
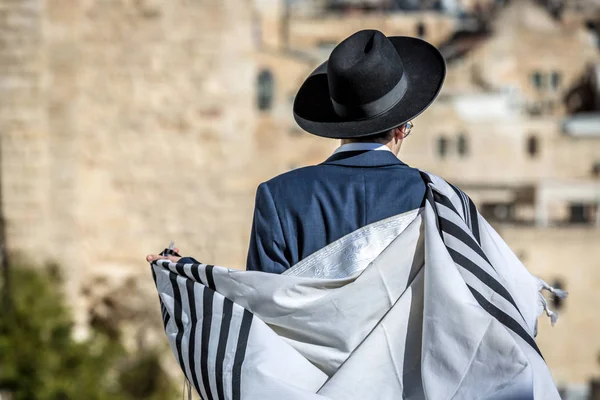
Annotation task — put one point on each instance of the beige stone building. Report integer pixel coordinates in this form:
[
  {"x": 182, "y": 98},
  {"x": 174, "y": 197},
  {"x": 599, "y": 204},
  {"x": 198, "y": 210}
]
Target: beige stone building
[{"x": 129, "y": 123}]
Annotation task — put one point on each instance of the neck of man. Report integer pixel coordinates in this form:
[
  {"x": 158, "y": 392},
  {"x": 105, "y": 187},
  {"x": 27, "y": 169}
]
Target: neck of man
[{"x": 394, "y": 147}]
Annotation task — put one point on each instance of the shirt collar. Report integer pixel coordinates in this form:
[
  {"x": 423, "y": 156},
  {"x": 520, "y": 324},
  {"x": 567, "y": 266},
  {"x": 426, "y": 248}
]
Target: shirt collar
[{"x": 361, "y": 147}]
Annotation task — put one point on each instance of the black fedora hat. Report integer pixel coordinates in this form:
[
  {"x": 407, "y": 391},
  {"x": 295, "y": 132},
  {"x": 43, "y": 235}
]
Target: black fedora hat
[{"x": 371, "y": 83}]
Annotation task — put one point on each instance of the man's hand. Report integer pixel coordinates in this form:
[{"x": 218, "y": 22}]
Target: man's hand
[{"x": 154, "y": 257}]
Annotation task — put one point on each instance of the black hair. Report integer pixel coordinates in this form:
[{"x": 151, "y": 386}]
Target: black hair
[{"x": 382, "y": 137}]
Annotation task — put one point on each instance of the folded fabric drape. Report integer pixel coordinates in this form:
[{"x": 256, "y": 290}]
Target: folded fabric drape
[{"x": 429, "y": 304}]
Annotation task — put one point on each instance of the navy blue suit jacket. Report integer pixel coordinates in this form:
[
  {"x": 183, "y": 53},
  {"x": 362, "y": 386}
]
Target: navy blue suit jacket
[{"x": 304, "y": 210}]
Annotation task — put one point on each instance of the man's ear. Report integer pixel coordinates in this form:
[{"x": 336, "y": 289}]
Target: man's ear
[{"x": 399, "y": 133}]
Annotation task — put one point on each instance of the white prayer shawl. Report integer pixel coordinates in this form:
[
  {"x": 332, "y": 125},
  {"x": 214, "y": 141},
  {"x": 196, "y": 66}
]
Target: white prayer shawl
[{"x": 429, "y": 304}]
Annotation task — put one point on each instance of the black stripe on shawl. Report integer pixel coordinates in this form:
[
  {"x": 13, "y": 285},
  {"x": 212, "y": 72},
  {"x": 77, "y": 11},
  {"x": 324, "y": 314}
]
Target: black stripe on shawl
[
  {"x": 178, "y": 312},
  {"x": 505, "y": 319},
  {"x": 223, "y": 336},
  {"x": 240, "y": 354},
  {"x": 196, "y": 274},
  {"x": 210, "y": 281},
  {"x": 444, "y": 200},
  {"x": 426, "y": 178},
  {"x": 483, "y": 276},
  {"x": 471, "y": 215},
  {"x": 465, "y": 202},
  {"x": 430, "y": 199},
  {"x": 207, "y": 311},
  {"x": 169, "y": 252},
  {"x": 460, "y": 197},
  {"x": 165, "y": 314},
  {"x": 189, "y": 284},
  {"x": 163, "y": 310},
  {"x": 452, "y": 229},
  {"x": 180, "y": 270},
  {"x": 474, "y": 221}
]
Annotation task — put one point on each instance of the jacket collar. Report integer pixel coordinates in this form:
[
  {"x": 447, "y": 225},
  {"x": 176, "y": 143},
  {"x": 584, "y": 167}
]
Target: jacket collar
[
  {"x": 363, "y": 158},
  {"x": 361, "y": 146}
]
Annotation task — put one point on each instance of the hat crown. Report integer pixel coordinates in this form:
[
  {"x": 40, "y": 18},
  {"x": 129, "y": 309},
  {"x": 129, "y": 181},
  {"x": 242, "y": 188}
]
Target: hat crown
[{"x": 363, "y": 68}]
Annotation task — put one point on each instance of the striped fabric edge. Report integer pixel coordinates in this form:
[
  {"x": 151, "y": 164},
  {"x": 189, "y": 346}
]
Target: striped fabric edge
[
  {"x": 470, "y": 212},
  {"x": 163, "y": 310},
  {"x": 477, "y": 271},
  {"x": 195, "y": 357}
]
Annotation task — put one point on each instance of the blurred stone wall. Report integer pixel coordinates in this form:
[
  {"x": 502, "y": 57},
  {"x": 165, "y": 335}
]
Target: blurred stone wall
[
  {"x": 126, "y": 124},
  {"x": 23, "y": 124}
]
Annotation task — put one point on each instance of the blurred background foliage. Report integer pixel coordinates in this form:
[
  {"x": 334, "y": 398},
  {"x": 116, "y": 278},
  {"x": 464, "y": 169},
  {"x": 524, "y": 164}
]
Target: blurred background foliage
[{"x": 39, "y": 359}]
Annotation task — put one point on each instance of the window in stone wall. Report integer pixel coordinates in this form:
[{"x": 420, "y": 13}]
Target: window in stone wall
[
  {"x": 581, "y": 213},
  {"x": 533, "y": 146},
  {"x": 421, "y": 29},
  {"x": 555, "y": 80},
  {"x": 537, "y": 79},
  {"x": 498, "y": 211},
  {"x": 462, "y": 145},
  {"x": 265, "y": 90},
  {"x": 442, "y": 146},
  {"x": 596, "y": 169}
]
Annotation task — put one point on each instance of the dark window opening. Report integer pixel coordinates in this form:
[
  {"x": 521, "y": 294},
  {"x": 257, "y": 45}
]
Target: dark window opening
[
  {"x": 596, "y": 169},
  {"x": 265, "y": 90},
  {"x": 421, "y": 30},
  {"x": 532, "y": 146},
  {"x": 581, "y": 213},
  {"x": 498, "y": 212},
  {"x": 462, "y": 145},
  {"x": 537, "y": 79},
  {"x": 555, "y": 80},
  {"x": 442, "y": 146}
]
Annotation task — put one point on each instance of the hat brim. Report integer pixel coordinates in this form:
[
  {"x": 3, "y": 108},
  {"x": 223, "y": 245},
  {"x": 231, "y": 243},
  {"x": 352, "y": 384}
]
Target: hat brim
[{"x": 425, "y": 69}]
